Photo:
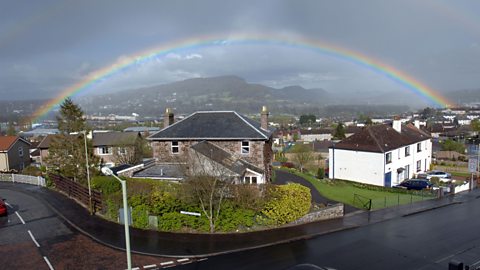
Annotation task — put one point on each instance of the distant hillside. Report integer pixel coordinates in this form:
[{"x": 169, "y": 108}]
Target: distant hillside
[
  {"x": 218, "y": 93},
  {"x": 464, "y": 96}
]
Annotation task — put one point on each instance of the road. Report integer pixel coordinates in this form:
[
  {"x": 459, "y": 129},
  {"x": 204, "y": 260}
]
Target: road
[
  {"x": 426, "y": 241},
  {"x": 32, "y": 236}
]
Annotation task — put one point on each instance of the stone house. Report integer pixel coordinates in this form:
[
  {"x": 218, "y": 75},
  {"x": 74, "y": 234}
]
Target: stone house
[
  {"x": 14, "y": 153},
  {"x": 217, "y": 141},
  {"x": 111, "y": 146}
]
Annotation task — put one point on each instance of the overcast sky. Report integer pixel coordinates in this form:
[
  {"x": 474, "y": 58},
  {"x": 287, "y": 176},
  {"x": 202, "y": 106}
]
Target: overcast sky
[{"x": 46, "y": 46}]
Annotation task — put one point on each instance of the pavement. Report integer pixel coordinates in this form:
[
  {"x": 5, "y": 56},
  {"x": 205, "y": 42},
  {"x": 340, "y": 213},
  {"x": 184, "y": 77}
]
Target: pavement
[{"x": 190, "y": 245}]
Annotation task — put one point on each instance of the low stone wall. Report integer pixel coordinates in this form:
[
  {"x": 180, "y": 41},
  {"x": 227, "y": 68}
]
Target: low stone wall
[{"x": 329, "y": 212}]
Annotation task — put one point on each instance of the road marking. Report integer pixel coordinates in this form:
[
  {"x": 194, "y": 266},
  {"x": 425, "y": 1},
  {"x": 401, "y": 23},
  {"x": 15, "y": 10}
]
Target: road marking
[
  {"x": 48, "y": 262},
  {"x": 183, "y": 260},
  {"x": 33, "y": 238},
  {"x": 149, "y": 266},
  {"x": 136, "y": 268},
  {"x": 203, "y": 259},
  {"x": 21, "y": 219},
  {"x": 8, "y": 204},
  {"x": 166, "y": 263}
]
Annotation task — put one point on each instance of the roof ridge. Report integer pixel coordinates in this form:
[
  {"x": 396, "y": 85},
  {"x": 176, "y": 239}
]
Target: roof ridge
[
  {"x": 375, "y": 138},
  {"x": 241, "y": 117}
]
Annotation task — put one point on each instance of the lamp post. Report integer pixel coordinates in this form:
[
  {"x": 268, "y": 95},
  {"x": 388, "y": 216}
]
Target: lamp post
[
  {"x": 107, "y": 171},
  {"x": 88, "y": 173}
]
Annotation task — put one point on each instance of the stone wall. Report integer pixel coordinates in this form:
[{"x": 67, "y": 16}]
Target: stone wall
[{"x": 329, "y": 212}]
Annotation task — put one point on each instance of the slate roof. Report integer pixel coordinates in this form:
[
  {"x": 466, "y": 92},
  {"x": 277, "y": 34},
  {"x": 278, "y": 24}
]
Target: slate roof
[
  {"x": 45, "y": 143},
  {"x": 114, "y": 138},
  {"x": 220, "y": 125},
  {"x": 7, "y": 141},
  {"x": 162, "y": 171},
  {"x": 227, "y": 160},
  {"x": 382, "y": 138}
]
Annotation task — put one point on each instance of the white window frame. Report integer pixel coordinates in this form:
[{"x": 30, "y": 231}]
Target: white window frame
[
  {"x": 20, "y": 151},
  {"x": 247, "y": 179},
  {"x": 102, "y": 152},
  {"x": 407, "y": 151},
  {"x": 419, "y": 165},
  {"x": 387, "y": 161},
  {"x": 122, "y": 150},
  {"x": 175, "y": 147},
  {"x": 245, "y": 149},
  {"x": 419, "y": 147}
]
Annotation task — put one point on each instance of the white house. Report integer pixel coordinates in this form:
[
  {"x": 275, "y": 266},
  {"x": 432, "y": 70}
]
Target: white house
[{"x": 382, "y": 155}]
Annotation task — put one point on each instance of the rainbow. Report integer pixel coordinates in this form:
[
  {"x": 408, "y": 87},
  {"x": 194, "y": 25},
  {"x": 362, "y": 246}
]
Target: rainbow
[{"x": 406, "y": 81}]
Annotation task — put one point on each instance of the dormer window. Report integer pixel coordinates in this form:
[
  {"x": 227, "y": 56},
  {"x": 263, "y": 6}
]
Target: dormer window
[
  {"x": 245, "y": 147},
  {"x": 175, "y": 147}
]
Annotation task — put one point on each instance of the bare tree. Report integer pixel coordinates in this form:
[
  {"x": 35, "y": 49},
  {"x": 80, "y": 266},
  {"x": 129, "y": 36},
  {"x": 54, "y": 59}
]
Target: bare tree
[
  {"x": 207, "y": 184},
  {"x": 127, "y": 152},
  {"x": 302, "y": 155}
]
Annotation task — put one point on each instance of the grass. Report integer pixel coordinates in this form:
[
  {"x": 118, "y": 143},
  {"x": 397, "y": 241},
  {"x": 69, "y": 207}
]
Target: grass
[{"x": 358, "y": 194}]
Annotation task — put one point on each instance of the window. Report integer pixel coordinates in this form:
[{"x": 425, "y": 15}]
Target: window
[
  {"x": 419, "y": 165},
  {"x": 20, "y": 151},
  {"x": 407, "y": 151},
  {"x": 174, "y": 147},
  {"x": 122, "y": 151},
  {"x": 254, "y": 179},
  {"x": 419, "y": 147},
  {"x": 245, "y": 147},
  {"x": 250, "y": 179},
  {"x": 407, "y": 171},
  {"x": 388, "y": 158},
  {"x": 246, "y": 180},
  {"x": 105, "y": 150}
]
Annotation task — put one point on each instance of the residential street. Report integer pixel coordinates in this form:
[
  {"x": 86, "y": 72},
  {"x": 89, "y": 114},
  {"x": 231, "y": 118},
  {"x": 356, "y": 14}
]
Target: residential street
[
  {"x": 426, "y": 241},
  {"x": 32, "y": 237}
]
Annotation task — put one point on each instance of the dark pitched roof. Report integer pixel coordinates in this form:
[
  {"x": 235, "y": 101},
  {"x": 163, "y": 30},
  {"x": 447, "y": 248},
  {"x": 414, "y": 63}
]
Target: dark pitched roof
[
  {"x": 223, "y": 125},
  {"x": 7, "y": 141},
  {"x": 382, "y": 138},
  {"x": 227, "y": 160},
  {"x": 45, "y": 143},
  {"x": 114, "y": 138}
]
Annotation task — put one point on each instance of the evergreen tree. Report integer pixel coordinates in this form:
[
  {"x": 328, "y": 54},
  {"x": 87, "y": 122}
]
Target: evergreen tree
[
  {"x": 339, "y": 132},
  {"x": 11, "y": 131},
  {"x": 71, "y": 118}
]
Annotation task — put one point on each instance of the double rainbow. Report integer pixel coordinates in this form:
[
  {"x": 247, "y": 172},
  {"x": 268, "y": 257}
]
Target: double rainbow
[{"x": 408, "y": 82}]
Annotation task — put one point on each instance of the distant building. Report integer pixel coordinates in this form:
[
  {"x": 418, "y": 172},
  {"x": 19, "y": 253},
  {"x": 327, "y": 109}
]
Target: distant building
[
  {"x": 382, "y": 155},
  {"x": 14, "y": 153}
]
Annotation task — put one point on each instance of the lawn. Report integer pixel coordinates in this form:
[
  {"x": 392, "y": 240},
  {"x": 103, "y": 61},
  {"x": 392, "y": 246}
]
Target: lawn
[{"x": 359, "y": 195}]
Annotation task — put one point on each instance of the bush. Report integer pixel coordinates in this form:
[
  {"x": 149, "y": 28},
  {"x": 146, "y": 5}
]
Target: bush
[
  {"x": 162, "y": 202},
  {"x": 321, "y": 173},
  {"x": 286, "y": 203},
  {"x": 106, "y": 184},
  {"x": 32, "y": 170},
  {"x": 233, "y": 218},
  {"x": 175, "y": 221},
  {"x": 140, "y": 216}
]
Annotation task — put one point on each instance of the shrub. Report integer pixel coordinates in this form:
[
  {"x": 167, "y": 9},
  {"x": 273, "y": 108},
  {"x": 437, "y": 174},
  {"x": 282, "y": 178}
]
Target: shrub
[
  {"x": 320, "y": 173},
  {"x": 106, "y": 184},
  {"x": 232, "y": 218},
  {"x": 140, "y": 216},
  {"x": 32, "y": 170},
  {"x": 175, "y": 221},
  {"x": 162, "y": 202},
  {"x": 286, "y": 203}
]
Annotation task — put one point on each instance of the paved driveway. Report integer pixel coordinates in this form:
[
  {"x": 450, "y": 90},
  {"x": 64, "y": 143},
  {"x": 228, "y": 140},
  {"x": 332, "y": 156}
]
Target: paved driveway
[{"x": 284, "y": 177}]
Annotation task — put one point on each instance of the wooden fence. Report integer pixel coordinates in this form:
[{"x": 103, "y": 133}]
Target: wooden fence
[{"x": 77, "y": 191}]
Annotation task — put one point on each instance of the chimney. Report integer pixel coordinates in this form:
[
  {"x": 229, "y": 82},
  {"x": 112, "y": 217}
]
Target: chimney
[
  {"x": 167, "y": 118},
  {"x": 397, "y": 124},
  {"x": 264, "y": 118},
  {"x": 417, "y": 123}
]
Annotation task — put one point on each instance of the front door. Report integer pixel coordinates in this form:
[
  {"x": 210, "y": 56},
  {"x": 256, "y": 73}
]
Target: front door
[{"x": 388, "y": 179}]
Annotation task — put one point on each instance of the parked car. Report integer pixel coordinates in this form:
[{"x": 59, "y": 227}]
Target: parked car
[
  {"x": 439, "y": 174},
  {"x": 416, "y": 184},
  {"x": 3, "y": 207}
]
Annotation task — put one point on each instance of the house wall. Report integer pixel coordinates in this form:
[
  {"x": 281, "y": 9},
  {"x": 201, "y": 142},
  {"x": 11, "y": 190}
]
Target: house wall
[
  {"x": 3, "y": 162},
  {"x": 370, "y": 168},
  {"x": 260, "y": 154},
  {"x": 363, "y": 167},
  {"x": 316, "y": 137},
  {"x": 15, "y": 161},
  {"x": 43, "y": 156}
]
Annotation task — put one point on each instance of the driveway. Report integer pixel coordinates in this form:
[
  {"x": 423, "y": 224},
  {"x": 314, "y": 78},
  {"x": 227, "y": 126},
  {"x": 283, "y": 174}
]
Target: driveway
[{"x": 283, "y": 177}]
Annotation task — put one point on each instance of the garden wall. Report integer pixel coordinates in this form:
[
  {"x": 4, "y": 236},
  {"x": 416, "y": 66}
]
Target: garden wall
[{"x": 329, "y": 212}]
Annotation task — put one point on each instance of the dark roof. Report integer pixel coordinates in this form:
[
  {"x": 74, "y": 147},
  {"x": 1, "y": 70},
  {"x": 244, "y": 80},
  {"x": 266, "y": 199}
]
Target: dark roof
[
  {"x": 114, "y": 138},
  {"x": 227, "y": 160},
  {"x": 162, "y": 171},
  {"x": 221, "y": 125},
  {"x": 45, "y": 143},
  {"x": 316, "y": 131},
  {"x": 382, "y": 138},
  {"x": 7, "y": 141},
  {"x": 121, "y": 167},
  {"x": 322, "y": 146}
]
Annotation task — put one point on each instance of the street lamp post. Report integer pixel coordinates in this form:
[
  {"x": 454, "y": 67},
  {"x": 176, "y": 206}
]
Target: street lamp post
[
  {"x": 107, "y": 171},
  {"x": 88, "y": 173}
]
